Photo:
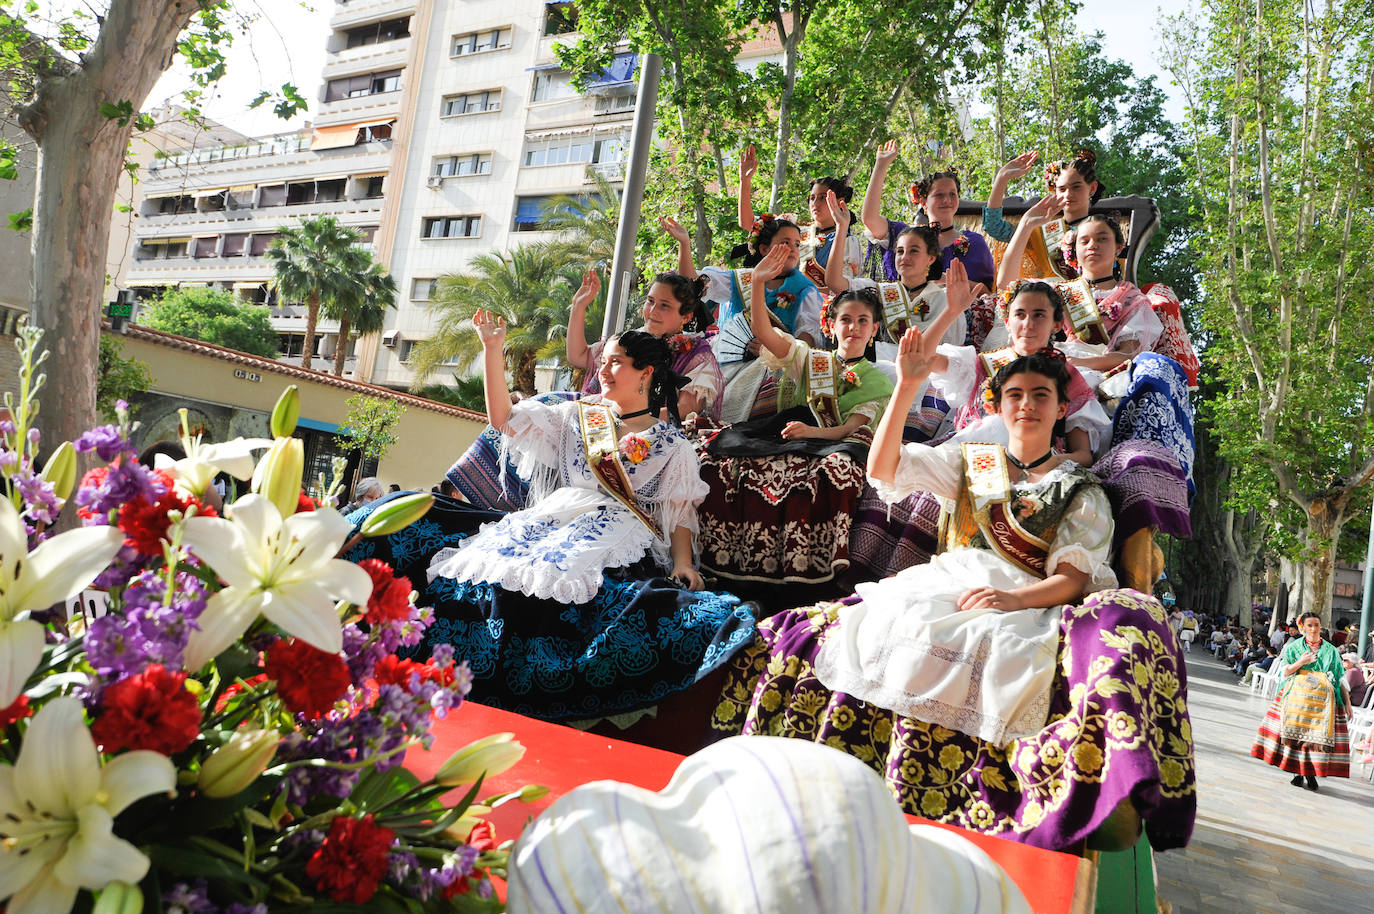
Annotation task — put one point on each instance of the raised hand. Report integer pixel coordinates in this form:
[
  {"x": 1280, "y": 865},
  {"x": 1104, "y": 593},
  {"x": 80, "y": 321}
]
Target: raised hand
[
  {"x": 958, "y": 289},
  {"x": 1046, "y": 209},
  {"x": 676, "y": 231},
  {"x": 915, "y": 356},
  {"x": 490, "y": 327},
  {"x": 772, "y": 265},
  {"x": 839, "y": 211},
  {"x": 587, "y": 292},
  {"x": 748, "y": 164},
  {"x": 887, "y": 153},
  {"x": 1016, "y": 167}
]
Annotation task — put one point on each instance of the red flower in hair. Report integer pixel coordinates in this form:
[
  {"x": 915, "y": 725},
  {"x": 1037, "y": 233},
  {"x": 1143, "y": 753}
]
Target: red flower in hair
[
  {"x": 150, "y": 710},
  {"x": 390, "y": 600},
  {"x": 352, "y": 861},
  {"x": 309, "y": 680}
]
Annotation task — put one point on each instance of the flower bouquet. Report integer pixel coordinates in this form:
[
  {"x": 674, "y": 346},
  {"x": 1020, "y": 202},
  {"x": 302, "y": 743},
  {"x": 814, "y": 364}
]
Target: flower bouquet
[{"x": 228, "y": 734}]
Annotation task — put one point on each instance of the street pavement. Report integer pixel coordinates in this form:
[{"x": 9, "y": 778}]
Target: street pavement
[{"x": 1260, "y": 844}]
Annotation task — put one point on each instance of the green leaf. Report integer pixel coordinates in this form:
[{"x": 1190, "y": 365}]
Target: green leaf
[
  {"x": 189, "y": 863},
  {"x": 23, "y": 221},
  {"x": 121, "y": 113}
]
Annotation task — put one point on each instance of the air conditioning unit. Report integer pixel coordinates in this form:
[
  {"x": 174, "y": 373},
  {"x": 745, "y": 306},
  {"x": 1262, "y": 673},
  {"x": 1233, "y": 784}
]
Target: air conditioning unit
[
  {"x": 435, "y": 180},
  {"x": 389, "y": 339}
]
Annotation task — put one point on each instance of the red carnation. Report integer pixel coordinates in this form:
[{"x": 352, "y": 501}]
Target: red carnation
[
  {"x": 393, "y": 670},
  {"x": 308, "y": 679},
  {"x": 482, "y": 837},
  {"x": 150, "y": 710},
  {"x": 352, "y": 860},
  {"x": 235, "y": 688},
  {"x": 145, "y": 524},
  {"x": 17, "y": 711},
  {"x": 390, "y": 600}
]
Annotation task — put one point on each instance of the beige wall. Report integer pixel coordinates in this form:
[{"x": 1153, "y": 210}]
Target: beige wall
[
  {"x": 428, "y": 442},
  {"x": 15, "y": 253}
]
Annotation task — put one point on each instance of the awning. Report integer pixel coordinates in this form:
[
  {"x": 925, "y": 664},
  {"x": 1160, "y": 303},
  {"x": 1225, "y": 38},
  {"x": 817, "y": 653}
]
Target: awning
[
  {"x": 321, "y": 178},
  {"x": 206, "y": 235},
  {"x": 531, "y": 209},
  {"x": 336, "y": 137},
  {"x": 262, "y": 283},
  {"x": 210, "y": 193},
  {"x": 180, "y": 239},
  {"x": 543, "y": 66},
  {"x": 240, "y": 188},
  {"x": 371, "y": 174},
  {"x": 561, "y": 131},
  {"x": 192, "y": 285},
  {"x": 382, "y": 120}
]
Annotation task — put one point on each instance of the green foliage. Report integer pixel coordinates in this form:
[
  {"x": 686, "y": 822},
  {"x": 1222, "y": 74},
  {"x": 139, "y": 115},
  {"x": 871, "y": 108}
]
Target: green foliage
[
  {"x": 21, "y": 221},
  {"x": 464, "y": 393},
  {"x": 118, "y": 379},
  {"x": 213, "y": 316},
  {"x": 370, "y": 426},
  {"x": 531, "y": 287}
]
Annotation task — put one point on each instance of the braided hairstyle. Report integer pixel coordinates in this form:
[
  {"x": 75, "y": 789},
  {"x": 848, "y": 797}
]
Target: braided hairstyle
[
  {"x": 930, "y": 237},
  {"x": 648, "y": 351},
  {"x": 1048, "y": 362},
  {"x": 1085, "y": 163},
  {"x": 921, "y": 189},
  {"x": 690, "y": 299}
]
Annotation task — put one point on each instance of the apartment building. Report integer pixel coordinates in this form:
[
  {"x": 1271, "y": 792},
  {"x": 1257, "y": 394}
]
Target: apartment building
[{"x": 493, "y": 129}]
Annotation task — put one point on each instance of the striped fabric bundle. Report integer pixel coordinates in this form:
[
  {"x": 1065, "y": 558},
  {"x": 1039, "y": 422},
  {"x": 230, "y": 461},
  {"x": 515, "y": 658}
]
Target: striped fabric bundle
[
  {"x": 1309, "y": 710},
  {"x": 752, "y": 824}
]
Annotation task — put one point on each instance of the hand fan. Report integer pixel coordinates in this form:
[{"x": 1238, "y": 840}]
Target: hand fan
[{"x": 731, "y": 343}]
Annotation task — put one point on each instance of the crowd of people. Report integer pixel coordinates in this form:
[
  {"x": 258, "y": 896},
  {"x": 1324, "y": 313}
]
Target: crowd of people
[{"x": 592, "y": 567}]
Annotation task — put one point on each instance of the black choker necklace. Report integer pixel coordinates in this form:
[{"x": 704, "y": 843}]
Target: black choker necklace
[
  {"x": 853, "y": 361},
  {"x": 1025, "y": 468},
  {"x": 915, "y": 290},
  {"x": 1097, "y": 282},
  {"x": 636, "y": 414}
]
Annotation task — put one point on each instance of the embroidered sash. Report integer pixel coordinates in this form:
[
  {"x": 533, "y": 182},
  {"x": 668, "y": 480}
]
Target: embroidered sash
[
  {"x": 996, "y": 360},
  {"x": 982, "y": 507},
  {"x": 1053, "y": 232},
  {"x": 1080, "y": 306},
  {"x": 822, "y": 387},
  {"x": 602, "y": 448},
  {"x": 900, "y": 309},
  {"x": 744, "y": 285}
]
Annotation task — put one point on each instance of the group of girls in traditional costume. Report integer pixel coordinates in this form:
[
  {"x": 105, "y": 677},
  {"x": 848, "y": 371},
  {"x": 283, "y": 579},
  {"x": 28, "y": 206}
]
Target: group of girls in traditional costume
[
  {"x": 587, "y": 602},
  {"x": 1004, "y": 685}
]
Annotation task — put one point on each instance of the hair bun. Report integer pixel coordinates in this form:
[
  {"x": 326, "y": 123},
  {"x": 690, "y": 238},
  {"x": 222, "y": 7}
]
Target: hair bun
[{"x": 1086, "y": 155}]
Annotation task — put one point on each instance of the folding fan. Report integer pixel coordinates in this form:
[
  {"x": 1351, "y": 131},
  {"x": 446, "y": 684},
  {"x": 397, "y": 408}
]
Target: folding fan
[{"x": 732, "y": 342}]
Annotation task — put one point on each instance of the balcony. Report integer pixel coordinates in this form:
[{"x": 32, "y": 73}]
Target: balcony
[
  {"x": 343, "y": 109},
  {"x": 383, "y": 55},
  {"x": 356, "y": 12},
  {"x": 254, "y": 213}
]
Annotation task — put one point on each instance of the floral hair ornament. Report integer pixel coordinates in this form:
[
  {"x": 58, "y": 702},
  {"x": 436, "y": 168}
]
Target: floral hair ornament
[
  {"x": 679, "y": 343},
  {"x": 961, "y": 246},
  {"x": 989, "y": 400},
  {"x": 757, "y": 230},
  {"x": 1050, "y": 352}
]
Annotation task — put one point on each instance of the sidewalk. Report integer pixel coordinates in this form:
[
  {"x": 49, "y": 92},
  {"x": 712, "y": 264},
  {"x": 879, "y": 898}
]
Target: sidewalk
[{"x": 1260, "y": 844}]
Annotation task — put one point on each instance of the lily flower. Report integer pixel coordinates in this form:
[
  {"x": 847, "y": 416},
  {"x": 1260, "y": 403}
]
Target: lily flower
[
  {"x": 59, "y": 569},
  {"x": 281, "y": 568},
  {"x": 57, "y": 809}
]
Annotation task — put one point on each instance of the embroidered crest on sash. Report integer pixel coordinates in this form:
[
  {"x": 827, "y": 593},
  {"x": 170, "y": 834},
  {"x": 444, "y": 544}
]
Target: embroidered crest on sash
[
  {"x": 822, "y": 387},
  {"x": 996, "y": 360},
  {"x": 744, "y": 283},
  {"x": 602, "y": 448},
  {"x": 1080, "y": 307},
  {"x": 982, "y": 507}
]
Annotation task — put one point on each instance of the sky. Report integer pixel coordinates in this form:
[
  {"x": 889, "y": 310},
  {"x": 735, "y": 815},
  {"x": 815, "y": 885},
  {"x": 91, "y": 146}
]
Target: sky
[{"x": 286, "y": 44}]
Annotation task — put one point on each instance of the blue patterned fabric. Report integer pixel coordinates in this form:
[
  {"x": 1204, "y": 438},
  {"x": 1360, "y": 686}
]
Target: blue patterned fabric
[
  {"x": 639, "y": 640},
  {"x": 1156, "y": 408},
  {"x": 481, "y": 477}
]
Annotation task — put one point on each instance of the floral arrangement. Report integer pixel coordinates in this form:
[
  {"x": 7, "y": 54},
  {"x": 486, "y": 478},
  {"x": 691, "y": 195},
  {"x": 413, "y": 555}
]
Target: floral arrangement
[
  {"x": 679, "y": 343},
  {"x": 634, "y": 448},
  {"x": 757, "y": 229},
  {"x": 228, "y": 735},
  {"x": 1066, "y": 249},
  {"x": 961, "y": 246},
  {"x": 989, "y": 400},
  {"x": 850, "y": 376}
]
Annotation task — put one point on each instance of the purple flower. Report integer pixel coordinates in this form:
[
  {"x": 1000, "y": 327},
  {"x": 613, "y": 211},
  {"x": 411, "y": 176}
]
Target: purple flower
[
  {"x": 40, "y": 500},
  {"x": 144, "y": 630},
  {"x": 121, "y": 484},
  {"x": 238, "y": 908},
  {"x": 106, "y": 441},
  {"x": 183, "y": 898}
]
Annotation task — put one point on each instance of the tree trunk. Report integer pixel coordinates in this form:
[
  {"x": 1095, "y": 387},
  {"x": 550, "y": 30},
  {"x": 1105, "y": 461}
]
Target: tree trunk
[
  {"x": 1324, "y": 523},
  {"x": 341, "y": 347},
  {"x": 80, "y": 154},
  {"x": 312, "y": 317},
  {"x": 789, "y": 83},
  {"x": 524, "y": 374}
]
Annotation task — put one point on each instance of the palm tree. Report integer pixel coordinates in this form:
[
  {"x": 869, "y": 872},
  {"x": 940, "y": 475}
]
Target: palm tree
[
  {"x": 587, "y": 222},
  {"x": 464, "y": 393},
  {"x": 531, "y": 287},
  {"x": 313, "y": 264},
  {"x": 361, "y": 309}
]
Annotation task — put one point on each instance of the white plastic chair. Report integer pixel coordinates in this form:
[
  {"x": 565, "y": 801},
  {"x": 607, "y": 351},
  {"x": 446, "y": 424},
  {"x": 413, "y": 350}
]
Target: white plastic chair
[{"x": 1268, "y": 681}]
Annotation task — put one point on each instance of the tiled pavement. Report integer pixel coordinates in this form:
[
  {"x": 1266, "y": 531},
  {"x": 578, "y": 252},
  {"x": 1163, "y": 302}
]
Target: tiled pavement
[{"x": 1260, "y": 844}]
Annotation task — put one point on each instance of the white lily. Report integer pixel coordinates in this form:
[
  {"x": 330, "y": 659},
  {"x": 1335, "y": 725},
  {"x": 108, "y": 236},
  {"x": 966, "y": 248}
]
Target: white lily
[
  {"x": 194, "y": 473},
  {"x": 57, "y": 809},
  {"x": 56, "y": 571},
  {"x": 282, "y": 568}
]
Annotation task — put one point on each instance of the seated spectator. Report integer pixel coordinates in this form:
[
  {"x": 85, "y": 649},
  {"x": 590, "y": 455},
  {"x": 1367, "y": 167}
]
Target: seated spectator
[
  {"x": 1260, "y": 666},
  {"x": 1357, "y": 678},
  {"x": 368, "y": 490}
]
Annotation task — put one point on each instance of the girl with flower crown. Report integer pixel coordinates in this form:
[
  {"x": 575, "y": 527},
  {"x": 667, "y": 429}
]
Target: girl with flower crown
[
  {"x": 586, "y": 602},
  {"x": 674, "y": 311},
  {"x": 1073, "y": 188},
  {"x": 976, "y": 684},
  {"x": 938, "y": 195},
  {"x": 783, "y": 489}
]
